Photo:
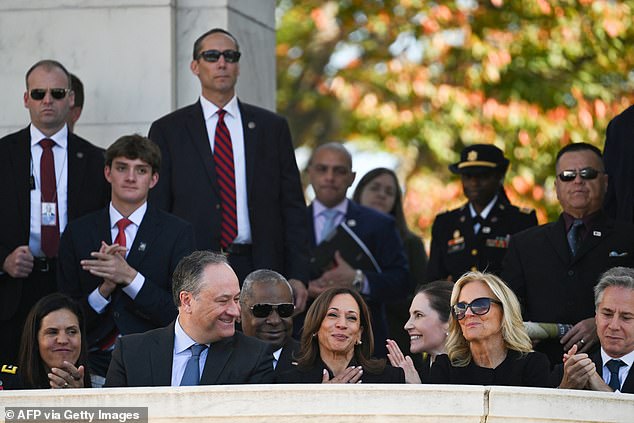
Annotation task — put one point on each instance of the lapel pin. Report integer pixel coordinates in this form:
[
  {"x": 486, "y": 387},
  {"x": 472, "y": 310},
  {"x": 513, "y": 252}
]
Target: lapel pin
[
  {"x": 251, "y": 125},
  {"x": 142, "y": 246},
  {"x": 596, "y": 233},
  {"x": 80, "y": 155},
  {"x": 352, "y": 223}
]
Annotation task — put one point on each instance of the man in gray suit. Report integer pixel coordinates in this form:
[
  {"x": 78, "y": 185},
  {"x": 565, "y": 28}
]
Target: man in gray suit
[{"x": 203, "y": 337}]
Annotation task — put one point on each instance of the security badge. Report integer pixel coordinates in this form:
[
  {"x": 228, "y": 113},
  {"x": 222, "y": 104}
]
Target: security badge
[
  {"x": 49, "y": 214},
  {"x": 456, "y": 244}
]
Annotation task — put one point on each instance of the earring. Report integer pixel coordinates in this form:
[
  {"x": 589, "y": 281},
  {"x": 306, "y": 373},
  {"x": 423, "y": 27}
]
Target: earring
[
  {"x": 314, "y": 334},
  {"x": 359, "y": 342},
  {"x": 446, "y": 333}
]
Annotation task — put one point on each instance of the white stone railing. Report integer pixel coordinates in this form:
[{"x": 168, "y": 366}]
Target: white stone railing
[{"x": 341, "y": 403}]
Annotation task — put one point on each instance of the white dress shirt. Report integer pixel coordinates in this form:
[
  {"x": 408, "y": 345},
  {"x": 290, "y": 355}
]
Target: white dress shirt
[
  {"x": 628, "y": 359},
  {"x": 60, "y": 157},
  {"x": 182, "y": 354},
  {"x": 233, "y": 120}
]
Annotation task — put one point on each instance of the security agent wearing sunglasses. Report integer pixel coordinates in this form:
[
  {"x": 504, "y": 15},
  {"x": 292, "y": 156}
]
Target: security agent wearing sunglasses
[
  {"x": 554, "y": 267},
  {"x": 240, "y": 158},
  {"x": 49, "y": 177},
  {"x": 267, "y": 309},
  {"x": 475, "y": 236}
]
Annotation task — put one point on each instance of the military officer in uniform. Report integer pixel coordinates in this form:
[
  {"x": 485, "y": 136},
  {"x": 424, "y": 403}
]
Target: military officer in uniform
[{"x": 476, "y": 235}]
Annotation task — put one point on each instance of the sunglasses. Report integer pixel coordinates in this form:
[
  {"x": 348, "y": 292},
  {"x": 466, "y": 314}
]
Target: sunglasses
[
  {"x": 56, "y": 93},
  {"x": 263, "y": 310},
  {"x": 231, "y": 56},
  {"x": 587, "y": 173},
  {"x": 479, "y": 306}
]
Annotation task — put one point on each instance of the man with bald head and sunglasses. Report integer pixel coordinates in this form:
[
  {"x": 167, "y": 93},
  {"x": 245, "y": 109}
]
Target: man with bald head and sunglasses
[
  {"x": 266, "y": 302},
  {"x": 553, "y": 268},
  {"x": 49, "y": 176},
  {"x": 229, "y": 169}
]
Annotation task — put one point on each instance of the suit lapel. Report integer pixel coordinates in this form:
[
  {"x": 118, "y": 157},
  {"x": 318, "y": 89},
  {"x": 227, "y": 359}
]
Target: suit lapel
[
  {"x": 250, "y": 134},
  {"x": 161, "y": 357},
  {"x": 600, "y": 230},
  {"x": 198, "y": 135},
  {"x": 217, "y": 358},
  {"x": 557, "y": 237},
  {"x": 76, "y": 172},
  {"x": 21, "y": 160},
  {"x": 311, "y": 226},
  {"x": 144, "y": 240}
]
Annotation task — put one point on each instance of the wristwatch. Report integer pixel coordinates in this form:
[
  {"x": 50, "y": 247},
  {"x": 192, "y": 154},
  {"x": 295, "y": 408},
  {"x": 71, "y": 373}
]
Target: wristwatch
[{"x": 357, "y": 282}]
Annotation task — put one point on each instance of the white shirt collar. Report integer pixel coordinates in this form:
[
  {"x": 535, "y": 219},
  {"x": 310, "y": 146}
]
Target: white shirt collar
[
  {"x": 486, "y": 210},
  {"x": 136, "y": 217},
  {"x": 60, "y": 137},
  {"x": 627, "y": 358},
  {"x": 210, "y": 109},
  {"x": 182, "y": 341}
]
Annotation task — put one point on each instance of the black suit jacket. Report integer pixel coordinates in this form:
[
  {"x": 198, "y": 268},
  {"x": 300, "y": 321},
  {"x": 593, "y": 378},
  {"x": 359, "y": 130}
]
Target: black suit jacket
[
  {"x": 286, "y": 360},
  {"x": 456, "y": 249},
  {"x": 618, "y": 155},
  {"x": 188, "y": 185},
  {"x": 627, "y": 387},
  {"x": 554, "y": 287},
  {"x": 161, "y": 241},
  {"x": 146, "y": 360},
  {"x": 87, "y": 191},
  {"x": 314, "y": 374},
  {"x": 378, "y": 232}
]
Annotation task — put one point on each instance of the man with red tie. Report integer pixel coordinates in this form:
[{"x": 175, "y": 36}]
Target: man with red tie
[
  {"x": 118, "y": 262},
  {"x": 230, "y": 170},
  {"x": 49, "y": 177}
]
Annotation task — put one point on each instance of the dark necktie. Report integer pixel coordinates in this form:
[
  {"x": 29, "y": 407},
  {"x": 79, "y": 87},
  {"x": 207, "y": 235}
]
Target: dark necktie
[
  {"x": 613, "y": 366},
  {"x": 191, "y": 376},
  {"x": 121, "y": 225},
  {"x": 50, "y": 228},
  {"x": 223, "y": 160},
  {"x": 477, "y": 220},
  {"x": 574, "y": 236}
]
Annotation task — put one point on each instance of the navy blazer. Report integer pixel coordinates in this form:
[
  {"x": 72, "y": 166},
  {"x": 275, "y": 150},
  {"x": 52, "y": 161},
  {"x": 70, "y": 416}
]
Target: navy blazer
[
  {"x": 145, "y": 359},
  {"x": 618, "y": 154},
  {"x": 160, "y": 243},
  {"x": 378, "y": 232},
  {"x": 87, "y": 191},
  {"x": 189, "y": 189}
]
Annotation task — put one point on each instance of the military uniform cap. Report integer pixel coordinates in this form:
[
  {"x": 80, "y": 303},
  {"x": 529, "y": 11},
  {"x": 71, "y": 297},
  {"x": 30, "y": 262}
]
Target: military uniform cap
[{"x": 478, "y": 158}]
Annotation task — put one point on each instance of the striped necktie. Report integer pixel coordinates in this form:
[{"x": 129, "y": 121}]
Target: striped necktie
[{"x": 223, "y": 160}]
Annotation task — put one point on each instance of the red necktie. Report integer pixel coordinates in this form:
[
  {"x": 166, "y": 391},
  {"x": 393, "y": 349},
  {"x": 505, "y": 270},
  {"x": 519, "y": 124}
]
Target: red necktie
[
  {"x": 50, "y": 232},
  {"x": 121, "y": 225},
  {"x": 223, "y": 160}
]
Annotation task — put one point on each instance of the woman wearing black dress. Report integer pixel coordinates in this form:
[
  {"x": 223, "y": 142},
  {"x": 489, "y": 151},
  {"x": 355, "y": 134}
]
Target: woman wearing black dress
[
  {"x": 337, "y": 344},
  {"x": 487, "y": 343}
]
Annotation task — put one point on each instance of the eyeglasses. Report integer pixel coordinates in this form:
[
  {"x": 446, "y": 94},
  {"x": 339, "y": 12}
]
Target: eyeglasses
[
  {"x": 56, "y": 93},
  {"x": 479, "y": 306},
  {"x": 231, "y": 56},
  {"x": 587, "y": 173},
  {"x": 263, "y": 310}
]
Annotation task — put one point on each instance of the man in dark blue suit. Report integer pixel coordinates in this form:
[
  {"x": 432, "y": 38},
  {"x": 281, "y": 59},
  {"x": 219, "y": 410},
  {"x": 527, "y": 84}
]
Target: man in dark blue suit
[
  {"x": 118, "y": 262},
  {"x": 610, "y": 368},
  {"x": 28, "y": 271},
  {"x": 260, "y": 212},
  {"x": 330, "y": 173}
]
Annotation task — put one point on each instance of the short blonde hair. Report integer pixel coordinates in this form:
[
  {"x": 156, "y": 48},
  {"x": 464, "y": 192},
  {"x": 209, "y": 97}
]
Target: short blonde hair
[{"x": 513, "y": 331}]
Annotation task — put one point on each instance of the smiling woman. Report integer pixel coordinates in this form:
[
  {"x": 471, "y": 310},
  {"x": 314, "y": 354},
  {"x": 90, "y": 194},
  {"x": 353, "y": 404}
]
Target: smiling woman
[
  {"x": 487, "y": 342},
  {"x": 53, "y": 349},
  {"x": 337, "y": 343}
]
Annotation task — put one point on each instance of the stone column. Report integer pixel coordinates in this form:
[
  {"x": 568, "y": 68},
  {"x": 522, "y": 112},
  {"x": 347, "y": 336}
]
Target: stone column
[{"x": 132, "y": 55}]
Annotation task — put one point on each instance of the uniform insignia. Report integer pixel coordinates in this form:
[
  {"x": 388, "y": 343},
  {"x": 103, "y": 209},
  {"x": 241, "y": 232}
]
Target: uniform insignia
[
  {"x": 462, "y": 219},
  {"x": 352, "y": 223},
  {"x": 526, "y": 210},
  {"x": 498, "y": 242},
  {"x": 456, "y": 233},
  {"x": 472, "y": 156},
  {"x": 502, "y": 207},
  {"x": 494, "y": 219},
  {"x": 596, "y": 233},
  {"x": 8, "y": 368},
  {"x": 486, "y": 230}
]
